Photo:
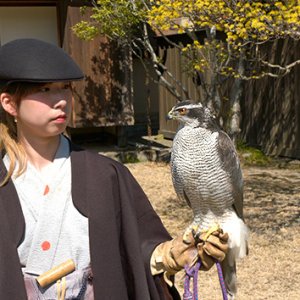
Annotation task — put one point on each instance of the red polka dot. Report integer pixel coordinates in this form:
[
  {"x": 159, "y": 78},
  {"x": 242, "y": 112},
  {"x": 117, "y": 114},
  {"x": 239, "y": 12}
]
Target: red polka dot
[
  {"x": 45, "y": 245},
  {"x": 46, "y": 191}
]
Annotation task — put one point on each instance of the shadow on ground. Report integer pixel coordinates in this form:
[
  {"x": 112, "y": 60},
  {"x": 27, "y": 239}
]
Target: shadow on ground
[{"x": 272, "y": 199}]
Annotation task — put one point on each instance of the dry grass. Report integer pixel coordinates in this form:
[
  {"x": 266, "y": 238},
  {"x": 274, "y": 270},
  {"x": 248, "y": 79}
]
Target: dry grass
[{"x": 272, "y": 198}]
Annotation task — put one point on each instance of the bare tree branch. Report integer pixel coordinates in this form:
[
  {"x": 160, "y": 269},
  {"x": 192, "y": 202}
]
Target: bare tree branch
[
  {"x": 285, "y": 69},
  {"x": 156, "y": 65}
]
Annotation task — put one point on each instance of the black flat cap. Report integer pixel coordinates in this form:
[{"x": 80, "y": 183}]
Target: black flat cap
[{"x": 33, "y": 60}]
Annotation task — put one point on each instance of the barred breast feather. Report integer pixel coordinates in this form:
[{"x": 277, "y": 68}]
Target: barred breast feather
[{"x": 197, "y": 171}]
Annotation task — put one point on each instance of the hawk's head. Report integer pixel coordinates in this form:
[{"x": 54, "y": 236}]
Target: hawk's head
[{"x": 192, "y": 114}]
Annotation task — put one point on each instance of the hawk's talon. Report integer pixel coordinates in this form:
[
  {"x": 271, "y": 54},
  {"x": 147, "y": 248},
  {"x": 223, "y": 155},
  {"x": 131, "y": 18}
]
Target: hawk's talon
[
  {"x": 210, "y": 230},
  {"x": 190, "y": 230}
]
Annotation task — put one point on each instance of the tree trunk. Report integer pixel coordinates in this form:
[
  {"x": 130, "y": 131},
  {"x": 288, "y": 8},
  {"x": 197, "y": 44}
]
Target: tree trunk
[{"x": 235, "y": 100}]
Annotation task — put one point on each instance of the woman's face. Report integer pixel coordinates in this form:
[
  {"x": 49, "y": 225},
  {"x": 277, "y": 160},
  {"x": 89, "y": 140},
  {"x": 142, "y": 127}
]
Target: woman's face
[{"x": 44, "y": 112}]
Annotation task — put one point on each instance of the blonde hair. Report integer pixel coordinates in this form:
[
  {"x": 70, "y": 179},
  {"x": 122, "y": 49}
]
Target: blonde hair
[{"x": 9, "y": 143}]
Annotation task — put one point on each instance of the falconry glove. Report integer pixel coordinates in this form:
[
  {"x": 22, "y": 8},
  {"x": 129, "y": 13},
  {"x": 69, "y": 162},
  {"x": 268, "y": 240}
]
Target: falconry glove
[{"x": 172, "y": 256}]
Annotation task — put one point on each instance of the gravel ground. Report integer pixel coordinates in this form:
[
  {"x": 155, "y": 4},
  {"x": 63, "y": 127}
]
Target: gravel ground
[{"x": 272, "y": 212}]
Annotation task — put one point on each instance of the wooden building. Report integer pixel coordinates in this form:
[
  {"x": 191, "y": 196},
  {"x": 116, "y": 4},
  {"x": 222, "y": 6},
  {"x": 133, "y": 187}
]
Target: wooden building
[{"x": 104, "y": 99}]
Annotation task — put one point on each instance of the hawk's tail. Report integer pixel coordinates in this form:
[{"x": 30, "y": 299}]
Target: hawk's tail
[{"x": 238, "y": 238}]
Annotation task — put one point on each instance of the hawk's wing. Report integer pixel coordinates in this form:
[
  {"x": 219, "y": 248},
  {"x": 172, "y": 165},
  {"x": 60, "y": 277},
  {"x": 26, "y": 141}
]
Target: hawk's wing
[
  {"x": 231, "y": 165},
  {"x": 178, "y": 185}
]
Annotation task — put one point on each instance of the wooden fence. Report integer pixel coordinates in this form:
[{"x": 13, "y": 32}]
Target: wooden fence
[{"x": 271, "y": 106}]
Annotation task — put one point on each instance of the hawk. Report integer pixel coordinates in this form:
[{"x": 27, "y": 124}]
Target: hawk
[{"x": 206, "y": 174}]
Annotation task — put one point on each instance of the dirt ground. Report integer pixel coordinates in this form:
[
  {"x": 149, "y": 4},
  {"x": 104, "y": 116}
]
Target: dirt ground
[{"x": 272, "y": 212}]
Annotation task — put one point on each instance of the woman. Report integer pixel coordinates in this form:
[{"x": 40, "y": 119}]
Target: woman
[{"x": 60, "y": 204}]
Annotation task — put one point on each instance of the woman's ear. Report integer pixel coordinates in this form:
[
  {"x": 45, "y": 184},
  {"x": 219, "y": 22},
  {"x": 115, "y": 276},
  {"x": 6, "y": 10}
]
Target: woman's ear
[{"x": 8, "y": 104}]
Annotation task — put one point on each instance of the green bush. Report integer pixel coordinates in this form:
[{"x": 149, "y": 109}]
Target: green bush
[{"x": 252, "y": 156}]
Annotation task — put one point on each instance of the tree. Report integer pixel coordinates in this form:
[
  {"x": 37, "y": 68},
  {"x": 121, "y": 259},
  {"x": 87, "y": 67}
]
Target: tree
[{"x": 235, "y": 32}]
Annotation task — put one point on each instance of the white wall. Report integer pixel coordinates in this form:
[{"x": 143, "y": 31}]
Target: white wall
[{"x": 28, "y": 22}]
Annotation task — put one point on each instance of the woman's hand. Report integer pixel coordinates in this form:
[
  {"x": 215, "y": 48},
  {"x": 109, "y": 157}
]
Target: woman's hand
[{"x": 172, "y": 256}]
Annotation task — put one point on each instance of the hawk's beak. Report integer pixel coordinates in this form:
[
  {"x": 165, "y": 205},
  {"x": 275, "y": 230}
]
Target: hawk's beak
[{"x": 170, "y": 115}]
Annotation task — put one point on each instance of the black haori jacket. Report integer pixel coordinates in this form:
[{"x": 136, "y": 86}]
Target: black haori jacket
[{"x": 123, "y": 228}]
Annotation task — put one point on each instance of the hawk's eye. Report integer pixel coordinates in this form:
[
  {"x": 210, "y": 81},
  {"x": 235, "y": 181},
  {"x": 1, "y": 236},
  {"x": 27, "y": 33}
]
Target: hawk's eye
[{"x": 182, "y": 111}]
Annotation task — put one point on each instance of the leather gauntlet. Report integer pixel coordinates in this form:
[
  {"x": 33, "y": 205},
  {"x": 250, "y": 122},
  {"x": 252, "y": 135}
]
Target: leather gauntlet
[
  {"x": 214, "y": 247},
  {"x": 172, "y": 256}
]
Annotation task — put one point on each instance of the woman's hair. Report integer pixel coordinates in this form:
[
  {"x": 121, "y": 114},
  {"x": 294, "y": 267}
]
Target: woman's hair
[{"x": 8, "y": 129}]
